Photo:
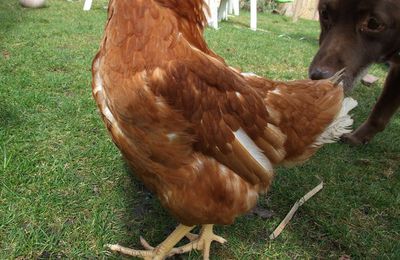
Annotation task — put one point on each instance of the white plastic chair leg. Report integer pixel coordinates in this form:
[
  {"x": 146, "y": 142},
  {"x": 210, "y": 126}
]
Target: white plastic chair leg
[
  {"x": 87, "y": 5},
  {"x": 214, "y": 14},
  {"x": 253, "y": 14}
]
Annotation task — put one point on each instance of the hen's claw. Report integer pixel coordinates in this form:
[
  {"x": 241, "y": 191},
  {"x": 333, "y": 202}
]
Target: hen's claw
[
  {"x": 155, "y": 253},
  {"x": 145, "y": 244},
  {"x": 200, "y": 242},
  {"x": 145, "y": 254}
]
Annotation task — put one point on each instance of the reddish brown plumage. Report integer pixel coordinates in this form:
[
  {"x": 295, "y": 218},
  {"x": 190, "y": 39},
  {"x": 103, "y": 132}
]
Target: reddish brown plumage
[{"x": 178, "y": 113}]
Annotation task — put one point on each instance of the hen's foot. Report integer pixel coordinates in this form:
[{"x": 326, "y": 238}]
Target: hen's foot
[
  {"x": 156, "y": 253},
  {"x": 200, "y": 242}
]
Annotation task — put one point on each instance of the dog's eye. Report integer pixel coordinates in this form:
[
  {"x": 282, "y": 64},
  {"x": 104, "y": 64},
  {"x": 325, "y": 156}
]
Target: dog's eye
[
  {"x": 372, "y": 24},
  {"x": 324, "y": 15}
]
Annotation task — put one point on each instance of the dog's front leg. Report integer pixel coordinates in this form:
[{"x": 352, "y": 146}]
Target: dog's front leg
[{"x": 384, "y": 109}]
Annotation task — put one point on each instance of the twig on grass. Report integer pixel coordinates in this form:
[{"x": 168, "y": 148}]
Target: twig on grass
[{"x": 295, "y": 207}]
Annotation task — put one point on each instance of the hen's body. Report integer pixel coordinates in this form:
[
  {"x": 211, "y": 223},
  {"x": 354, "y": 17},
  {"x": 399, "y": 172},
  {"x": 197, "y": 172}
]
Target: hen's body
[{"x": 199, "y": 134}]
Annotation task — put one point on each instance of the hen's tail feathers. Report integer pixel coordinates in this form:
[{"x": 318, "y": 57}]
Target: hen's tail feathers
[
  {"x": 338, "y": 77},
  {"x": 341, "y": 125}
]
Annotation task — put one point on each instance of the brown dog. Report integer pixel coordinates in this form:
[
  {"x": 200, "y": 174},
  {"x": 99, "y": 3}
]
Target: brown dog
[{"x": 355, "y": 34}]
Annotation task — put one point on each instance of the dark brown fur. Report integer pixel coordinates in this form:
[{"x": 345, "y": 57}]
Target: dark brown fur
[{"x": 355, "y": 34}]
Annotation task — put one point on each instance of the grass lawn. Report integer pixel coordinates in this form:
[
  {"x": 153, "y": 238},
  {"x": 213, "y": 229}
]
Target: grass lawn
[{"x": 65, "y": 190}]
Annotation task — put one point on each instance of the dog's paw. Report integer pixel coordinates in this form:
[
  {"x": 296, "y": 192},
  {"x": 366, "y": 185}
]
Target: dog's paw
[
  {"x": 352, "y": 139},
  {"x": 362, "y": 135}
]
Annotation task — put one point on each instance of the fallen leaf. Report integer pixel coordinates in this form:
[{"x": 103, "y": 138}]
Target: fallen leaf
[
  {"x": 388, "y": 172},
  {"x": 364, "y": 161},
  {"x": 6, "y": 55},
  {"x": 262, "y": 212},
  {"x": 369, "y": 79},
  {"x": 96, "y": 190}
]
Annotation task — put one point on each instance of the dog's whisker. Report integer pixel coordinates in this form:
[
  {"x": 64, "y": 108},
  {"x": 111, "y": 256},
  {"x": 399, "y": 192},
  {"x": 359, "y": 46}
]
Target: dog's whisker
[{"x": 337, "y": 79}]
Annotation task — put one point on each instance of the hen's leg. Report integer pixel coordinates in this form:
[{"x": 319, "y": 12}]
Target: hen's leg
[
  {"x": 201, "y": 242},
  {"x": 161, "y": 251}
]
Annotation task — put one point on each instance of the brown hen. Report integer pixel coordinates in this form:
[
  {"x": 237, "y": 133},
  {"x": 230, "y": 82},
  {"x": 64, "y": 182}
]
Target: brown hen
[{"x": 199, "y": 134}]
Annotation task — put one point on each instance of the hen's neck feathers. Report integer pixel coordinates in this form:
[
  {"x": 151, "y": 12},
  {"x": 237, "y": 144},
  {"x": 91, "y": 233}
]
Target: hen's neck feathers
[
  {"x": 191, "y": 18},
  {"x": 192, "y": 11}
]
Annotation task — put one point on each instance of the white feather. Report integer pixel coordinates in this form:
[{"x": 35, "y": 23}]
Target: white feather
[
  {"x": 249, "y": 74},
  {"x": 341, "y": 125},
  {"x": 98, "y": 81},
  {"x": 172, "y": 136},
  {"x": 253, "y": 149}
]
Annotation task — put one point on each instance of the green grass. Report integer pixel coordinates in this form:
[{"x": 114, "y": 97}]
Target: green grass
[{"x": 65, "y": 191}]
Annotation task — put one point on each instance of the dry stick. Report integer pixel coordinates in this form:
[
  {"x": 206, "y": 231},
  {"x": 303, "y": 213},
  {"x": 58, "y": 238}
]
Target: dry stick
[{"x": 295, "y": 207}]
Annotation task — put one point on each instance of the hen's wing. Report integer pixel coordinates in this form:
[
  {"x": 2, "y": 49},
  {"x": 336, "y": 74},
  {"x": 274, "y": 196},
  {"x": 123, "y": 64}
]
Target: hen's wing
[{"x": 227, "y": 115}]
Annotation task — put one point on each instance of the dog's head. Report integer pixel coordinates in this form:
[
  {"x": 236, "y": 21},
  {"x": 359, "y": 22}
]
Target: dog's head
[{"x": 354, "y": 34}]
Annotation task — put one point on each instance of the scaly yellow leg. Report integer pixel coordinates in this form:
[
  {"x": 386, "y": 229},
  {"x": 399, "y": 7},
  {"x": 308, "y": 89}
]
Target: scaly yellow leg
[
  {"x": 161, "y": 251},
  {"x": 201, "y": 242}
]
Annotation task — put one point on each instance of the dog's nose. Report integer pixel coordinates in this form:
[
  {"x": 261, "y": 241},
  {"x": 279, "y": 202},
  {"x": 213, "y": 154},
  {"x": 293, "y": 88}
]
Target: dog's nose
[{"x": 318, "y": 73}]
